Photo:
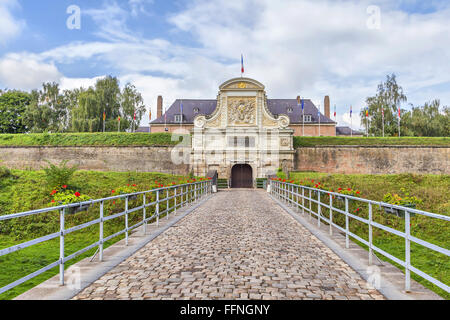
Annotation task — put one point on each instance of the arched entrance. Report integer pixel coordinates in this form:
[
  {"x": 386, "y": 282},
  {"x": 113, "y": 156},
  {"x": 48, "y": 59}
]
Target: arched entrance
[{"x": 242, "y": 176}]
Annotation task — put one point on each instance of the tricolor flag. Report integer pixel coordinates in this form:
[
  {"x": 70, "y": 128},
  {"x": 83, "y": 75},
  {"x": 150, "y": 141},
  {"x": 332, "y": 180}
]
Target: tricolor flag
[
  {"x": 118, "y": 119},
  {"x": 134, "y": 116},
  {"x": 104, "y": 115},
  {"x": 242, "y": 64},
  {"x": 335, "y": 111},
  {"x": 150, "y": 115},
  {"x": 303, "y": 104},
  {"x": 351, "y": 111},
  {"x": 367, "y": 112},
  {"x": 399, "y": 112}
]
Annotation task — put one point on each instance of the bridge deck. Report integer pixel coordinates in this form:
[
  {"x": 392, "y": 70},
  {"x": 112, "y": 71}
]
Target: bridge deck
[{"x": 240, "y": 244}]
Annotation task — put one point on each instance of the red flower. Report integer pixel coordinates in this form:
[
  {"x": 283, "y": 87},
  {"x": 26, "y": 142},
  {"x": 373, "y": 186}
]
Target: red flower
[
  {"x": 53, "y": 201},
  {"x": 134, "y": 185},
  {"x": 114, "y": 202},
  {"x": 312, "y": 181},
  {"x": 357, "y": 192},
  {"x": 128, "y": 185},
  {"x": 319, "y": 183},
  {"x": 53, "y": 192},
  {"x": 316, "y": 186},
  {"x": 340, "y": 189},
  {"x": 64, "y": 187},
  {"x": 113, "y": 191},
  {"x": 358, "y": 209},
  {"x": 77, "y": 194},
  {"x": 349, "y": 189}
]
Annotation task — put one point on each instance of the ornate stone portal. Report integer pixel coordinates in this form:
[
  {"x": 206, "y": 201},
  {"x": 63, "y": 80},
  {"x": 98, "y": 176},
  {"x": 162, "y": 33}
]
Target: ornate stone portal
[{"x": 241, "y": 130}]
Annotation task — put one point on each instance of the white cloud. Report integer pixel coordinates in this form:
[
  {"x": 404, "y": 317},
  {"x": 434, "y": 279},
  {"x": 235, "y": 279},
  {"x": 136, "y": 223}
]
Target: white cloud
[
  {"x": 10, "y": 27},
  {"x": 26, "y": 72},
  {"x": 312, "y": 48}
]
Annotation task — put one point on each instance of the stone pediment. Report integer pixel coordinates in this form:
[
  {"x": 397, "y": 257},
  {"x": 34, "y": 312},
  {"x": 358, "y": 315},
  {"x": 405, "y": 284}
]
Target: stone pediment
[{"x": 242, "y": 84}]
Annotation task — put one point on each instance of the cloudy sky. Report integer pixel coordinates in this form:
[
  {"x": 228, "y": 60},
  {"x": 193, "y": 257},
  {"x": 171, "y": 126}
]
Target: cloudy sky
[{"x": 186, "y": 49}]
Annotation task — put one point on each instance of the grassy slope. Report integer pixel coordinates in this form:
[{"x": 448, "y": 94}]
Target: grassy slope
[
  {"x": 165, "y": 139},
  {"x": 27, "y": 191},
  {"x": 434, "y": 190},
  {"x": 372, "y": 141},
  {"x": 88, "y": 139}
]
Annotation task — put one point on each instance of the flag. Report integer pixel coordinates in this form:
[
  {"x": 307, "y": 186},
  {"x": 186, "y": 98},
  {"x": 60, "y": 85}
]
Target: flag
[
  {"x": 181, "y": 108},
  {"x": 118, "y": 119},
  {"x": 104, "y": 115},
  {"x": 351, "y": 111},
  {"x": 334, "y": 111},
  {"x": 303, "y": 104},
  {"x": 242, "y": 63},
  {"x": 367, "y": 112},
  {"x": 134, "y": 116},
  {"x": 150, "y": 115},
  {"x": 399, "y": 112}
]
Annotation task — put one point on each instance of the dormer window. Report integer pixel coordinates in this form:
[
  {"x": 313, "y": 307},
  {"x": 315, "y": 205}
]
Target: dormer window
[
  {"x": 289, "y": 110},
  {"x": 307, "y": 117},
  {"x": 178, "y": 118},
  {"x": 196, "y": 110}
]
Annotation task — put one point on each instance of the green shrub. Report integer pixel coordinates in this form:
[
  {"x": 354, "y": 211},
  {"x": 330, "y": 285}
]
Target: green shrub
[
  {"x": 58, "y": 176},
  {"x": 5, "y": 173}
]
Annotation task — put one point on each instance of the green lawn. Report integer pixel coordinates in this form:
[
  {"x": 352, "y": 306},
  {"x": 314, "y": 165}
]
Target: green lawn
[
  {"x": 434, "y": 190},
  {"x": 26, "y": 190},
  {"x": 371, "y": 141}
]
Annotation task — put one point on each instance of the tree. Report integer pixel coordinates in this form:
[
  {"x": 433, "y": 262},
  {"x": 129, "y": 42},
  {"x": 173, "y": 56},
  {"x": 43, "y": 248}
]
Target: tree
[
  {"x": 429, "y": 121},
  {"x": 390, "y": 96},
  {"x": 13, "y": 105},
  {"x": 132, "y": 104}
]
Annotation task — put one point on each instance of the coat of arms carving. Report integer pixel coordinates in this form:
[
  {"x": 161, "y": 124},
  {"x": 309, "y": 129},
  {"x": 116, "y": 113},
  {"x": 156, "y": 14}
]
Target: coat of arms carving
[{"x": 241, "y": 111}]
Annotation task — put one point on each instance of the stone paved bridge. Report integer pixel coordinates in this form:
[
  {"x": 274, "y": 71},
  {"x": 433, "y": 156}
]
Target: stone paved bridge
[{"x": 239, "y": 245}]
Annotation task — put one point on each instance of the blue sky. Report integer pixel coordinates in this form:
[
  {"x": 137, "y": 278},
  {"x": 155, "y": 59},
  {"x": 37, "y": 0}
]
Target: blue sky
[{"x": 186, "y": 49}]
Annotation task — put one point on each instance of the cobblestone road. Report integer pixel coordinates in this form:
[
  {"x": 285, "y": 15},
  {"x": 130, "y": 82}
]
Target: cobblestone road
[{"x": 238, "y": 245}]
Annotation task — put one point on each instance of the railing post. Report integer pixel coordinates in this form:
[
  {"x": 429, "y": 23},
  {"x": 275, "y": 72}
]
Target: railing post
[
  {"x": 407, "y": 251},
  {"x": 144, "y": 212},
  {"x": 195, "y": 192},
  {"x": 347, "y": 242},
  {"x": 303, "y": 200},
  {"x": 175, "y": 199},
  {"x": 370, "y": 234},
  {"x": 296, "y": 198},
  {"x": 126, "y": 221},
  {"x": 157, "y": 208},
  {"x": 310, "y": 205},
  {"x": 100, "y": 246},
  {"x": 319, "y": 211},
  {"x": 167, "y": 203},
  {"x": 331, "y": 214},
  {"x": 61, "y": 246}
]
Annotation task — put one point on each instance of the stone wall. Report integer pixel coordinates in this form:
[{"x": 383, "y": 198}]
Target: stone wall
[
  {"x": 121, "y": 159},
  {"x": 333, "y": 159},
  {"x": 374, "y": 160}
]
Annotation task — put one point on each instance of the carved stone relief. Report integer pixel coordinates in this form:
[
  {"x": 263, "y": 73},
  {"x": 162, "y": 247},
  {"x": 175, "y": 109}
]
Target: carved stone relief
[{"x": 241, "y": 111}]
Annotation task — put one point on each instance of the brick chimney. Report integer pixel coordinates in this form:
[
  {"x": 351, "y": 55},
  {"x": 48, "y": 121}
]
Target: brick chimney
[
  {"x": 327, "y": 106},
  {"x": 159, "y": 108}
]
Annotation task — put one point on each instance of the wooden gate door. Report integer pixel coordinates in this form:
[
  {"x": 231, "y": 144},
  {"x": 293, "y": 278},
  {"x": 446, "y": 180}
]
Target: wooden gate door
[{"x": 242, "y": 176}]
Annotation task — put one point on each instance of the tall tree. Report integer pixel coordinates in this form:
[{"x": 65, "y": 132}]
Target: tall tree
[
  {"x": 13, "y": 105},
  {"x": 389, "y": 96},
  {"x": 132, "y": 105}
]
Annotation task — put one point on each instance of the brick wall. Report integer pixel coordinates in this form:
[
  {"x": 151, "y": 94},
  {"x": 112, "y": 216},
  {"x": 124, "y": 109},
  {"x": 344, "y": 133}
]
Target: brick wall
[{"x": 374, "y": 160}]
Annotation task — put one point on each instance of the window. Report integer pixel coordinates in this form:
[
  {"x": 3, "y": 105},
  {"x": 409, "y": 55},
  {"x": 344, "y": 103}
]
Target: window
[
  {"x": 247, "y": 142},
  {"x": 289, "y": 110},
  {"x": 196, "y": 110},
  {"x": 178, "y": 118},
  {"x": 307, "y": 117}
]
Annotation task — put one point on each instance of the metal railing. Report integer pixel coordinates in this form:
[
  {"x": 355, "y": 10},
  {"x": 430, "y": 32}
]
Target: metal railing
[
  {"x": 301, "y": 198},
  {"x": 180, "y": 195}
]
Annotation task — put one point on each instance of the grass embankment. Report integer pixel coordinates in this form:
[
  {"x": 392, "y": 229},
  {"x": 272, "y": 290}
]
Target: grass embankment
[
  {"x": 26, "y": 190},
  {"x": 433, "y": 190},
  {"x": 165, "y": 139},
  {"x": 89, "y": 139},
  {"x": 371, "y": 141}
]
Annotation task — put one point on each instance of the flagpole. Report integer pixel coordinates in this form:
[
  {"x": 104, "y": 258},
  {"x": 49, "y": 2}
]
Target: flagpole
[
  {"x": 319, "y": 119},
  {"x": 351, "y": 122},
  {"x": 382, "y": 118},
  {"x": 399, "y": 122}
]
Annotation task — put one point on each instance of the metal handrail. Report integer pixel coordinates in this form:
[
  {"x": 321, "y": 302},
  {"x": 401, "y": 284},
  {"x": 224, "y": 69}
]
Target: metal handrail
[
  {"x": 296, "y": 195},
  {"x": 190, "y": 193}
]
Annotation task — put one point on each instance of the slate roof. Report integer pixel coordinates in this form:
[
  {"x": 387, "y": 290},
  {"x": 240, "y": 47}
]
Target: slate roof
[
  {"x": 276, "y": 106},
  {"x": 346, "y": 131}
]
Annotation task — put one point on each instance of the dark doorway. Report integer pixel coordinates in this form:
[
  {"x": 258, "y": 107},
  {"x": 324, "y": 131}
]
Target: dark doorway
[{"x": 242, "y": 176}]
